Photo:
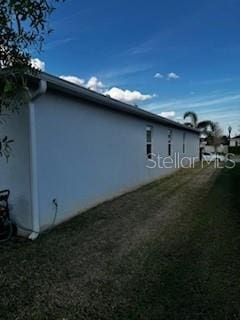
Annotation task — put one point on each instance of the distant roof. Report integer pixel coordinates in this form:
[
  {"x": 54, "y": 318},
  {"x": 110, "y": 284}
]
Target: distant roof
[
  {"x": 236, "y": 137},
  {"x": 106, "y": 101}
]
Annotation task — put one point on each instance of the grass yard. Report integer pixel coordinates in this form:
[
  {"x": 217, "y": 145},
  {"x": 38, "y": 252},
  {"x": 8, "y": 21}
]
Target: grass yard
[{"x": 170, "y": 250}]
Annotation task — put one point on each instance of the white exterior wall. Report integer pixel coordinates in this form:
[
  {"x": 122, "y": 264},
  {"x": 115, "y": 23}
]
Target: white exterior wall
[
  {"x": 87, "y": 154},
  {"x": 235, "y": 142},
  {"x": 212, "y": 149},
  {"x": 15, "y": 174}
]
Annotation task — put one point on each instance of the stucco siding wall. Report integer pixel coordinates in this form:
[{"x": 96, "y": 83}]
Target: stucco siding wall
[
  {"x": 15, "y": 174},
  {"x": 87, "y": 154},
  {"x": 234, "y": 142},
  {"x": 192, "y": 145}
]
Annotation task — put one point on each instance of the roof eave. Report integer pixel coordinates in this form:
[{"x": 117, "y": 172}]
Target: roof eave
[{"x": 86, "y": 94}]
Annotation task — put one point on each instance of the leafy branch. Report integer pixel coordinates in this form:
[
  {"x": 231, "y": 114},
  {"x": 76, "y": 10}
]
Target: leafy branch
[
  {"x": 24, "y": 26},
  {"x": 5, "y": 147}
]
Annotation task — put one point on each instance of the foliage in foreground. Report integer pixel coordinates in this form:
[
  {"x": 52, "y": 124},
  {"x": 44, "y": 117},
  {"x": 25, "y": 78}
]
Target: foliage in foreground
[{"x": 24, "y": 25}]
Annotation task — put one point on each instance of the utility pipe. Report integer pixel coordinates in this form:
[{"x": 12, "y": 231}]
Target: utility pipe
[{"x": 41, "y": 90}]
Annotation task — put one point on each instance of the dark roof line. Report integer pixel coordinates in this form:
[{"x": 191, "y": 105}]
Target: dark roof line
[{"x": 84, "y": 93}]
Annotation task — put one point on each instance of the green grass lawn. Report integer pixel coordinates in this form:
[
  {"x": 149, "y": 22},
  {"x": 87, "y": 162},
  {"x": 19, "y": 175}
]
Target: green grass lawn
[{"x": 170, "y": 250}]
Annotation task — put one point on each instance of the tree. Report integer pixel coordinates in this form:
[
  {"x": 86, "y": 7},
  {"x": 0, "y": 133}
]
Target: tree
[
  {"x": 215, "y": 136},
  {"x": 204, "y": 126},
  {"x": 225, "y": 140},
  {"x": 24, "y": 25}
]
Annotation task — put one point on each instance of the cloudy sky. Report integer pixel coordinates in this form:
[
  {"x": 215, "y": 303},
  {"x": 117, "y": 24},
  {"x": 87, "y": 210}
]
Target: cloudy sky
[{"x": 165, "y": 56}]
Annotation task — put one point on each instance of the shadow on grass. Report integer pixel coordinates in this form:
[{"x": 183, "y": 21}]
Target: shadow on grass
[
  {"x": 196, "y": 274},
  {"x": 93, "y": 267}
]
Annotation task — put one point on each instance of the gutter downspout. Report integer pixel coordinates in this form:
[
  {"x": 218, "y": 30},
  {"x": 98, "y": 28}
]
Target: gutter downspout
[{"x": 33, "y": 159}]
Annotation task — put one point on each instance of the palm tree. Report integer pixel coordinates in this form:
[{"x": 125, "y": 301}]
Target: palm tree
[{"x": 204, "y": 126}]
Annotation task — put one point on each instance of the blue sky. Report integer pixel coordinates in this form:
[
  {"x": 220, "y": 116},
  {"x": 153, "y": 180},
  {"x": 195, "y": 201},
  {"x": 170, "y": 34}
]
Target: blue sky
[{"x": 178, "y": 55}]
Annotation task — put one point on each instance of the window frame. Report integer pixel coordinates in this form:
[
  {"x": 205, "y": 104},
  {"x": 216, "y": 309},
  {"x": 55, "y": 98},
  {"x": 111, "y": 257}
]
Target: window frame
[
  {"x": 170, "y": 135},
  {"x": 149, "y": 142},
  {"x": 184, "y": 143}
]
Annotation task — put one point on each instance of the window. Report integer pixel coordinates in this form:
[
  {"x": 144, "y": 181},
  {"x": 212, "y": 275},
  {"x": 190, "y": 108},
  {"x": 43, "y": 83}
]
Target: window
[
  {"x": 184, "y": 142},
  {"x": 169, "y": 142},
  {"x": 149, "y": 141}
]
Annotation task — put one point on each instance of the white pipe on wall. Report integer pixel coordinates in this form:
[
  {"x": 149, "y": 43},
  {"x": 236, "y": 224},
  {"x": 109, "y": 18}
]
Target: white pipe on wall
[{"x": 33, "y": 160}]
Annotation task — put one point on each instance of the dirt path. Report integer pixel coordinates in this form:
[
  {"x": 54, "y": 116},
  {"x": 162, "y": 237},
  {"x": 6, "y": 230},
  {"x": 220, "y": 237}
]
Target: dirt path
[{"x": 112, "y": 262}]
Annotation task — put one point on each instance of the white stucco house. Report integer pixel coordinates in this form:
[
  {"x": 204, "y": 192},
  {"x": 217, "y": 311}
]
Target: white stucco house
[
  {"x": 77, "y": 148},
  {"x": 235, "y": 141}
]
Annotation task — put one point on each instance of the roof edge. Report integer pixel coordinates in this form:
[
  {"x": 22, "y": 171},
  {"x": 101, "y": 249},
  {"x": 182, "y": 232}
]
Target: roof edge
[{"x": 87, "y": 94}]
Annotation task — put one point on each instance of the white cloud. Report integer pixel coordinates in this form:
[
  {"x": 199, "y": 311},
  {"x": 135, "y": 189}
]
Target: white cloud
[
  {"x": 169, "y": 76},
  {"x": 173, "y": 76},
  {"x": 116, "y": 93},
  {"x": 73, "y": 79},
  {"x": 216, "y": 106},
  {"x": 38, "y": 64},
  {"x": 196, "y": 103},
  {"x": 127, "y": 95},
  {"x": 94, "y": 84},
  {"x": 158, "y": 76},
  {"x": 179, "y": 119},
  {"x": 123, "y": 71},
  {"x": 168, "y": 114}
]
